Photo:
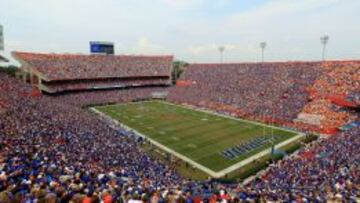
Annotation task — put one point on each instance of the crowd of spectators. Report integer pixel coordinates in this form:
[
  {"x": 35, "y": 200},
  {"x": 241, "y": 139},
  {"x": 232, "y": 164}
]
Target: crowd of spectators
[
  {"x": 341, "y": 80},
  {"x": 354, "y": 97},
  {"x": 332, "y": 115},
  {"x": 90, "y": 98},
  {"x": 249, "y": 90},
  {"x": 75, "y": 67},
  {"x": 52, "y": 150},
  {"x": 272, "y": 92},
  {"x": 325, "y": 170}
]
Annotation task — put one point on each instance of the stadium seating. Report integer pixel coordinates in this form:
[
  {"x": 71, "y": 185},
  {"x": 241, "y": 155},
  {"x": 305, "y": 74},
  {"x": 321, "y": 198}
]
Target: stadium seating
[
  {"x": 270, "y": 92},
  {"x": 61, "y": 72},
  {"x": 330, "y": 92},
  {"x": 256, "y": 91},
  {"x": 325, "y": 170},
  {"x": 52, "y": 150}
]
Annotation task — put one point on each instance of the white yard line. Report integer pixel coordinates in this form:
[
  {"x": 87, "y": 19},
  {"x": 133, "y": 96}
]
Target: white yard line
[
  {"x": 212, "y": 173},
  {"x": 161, "y": 146},
  {"x": 226, "y": 116}
]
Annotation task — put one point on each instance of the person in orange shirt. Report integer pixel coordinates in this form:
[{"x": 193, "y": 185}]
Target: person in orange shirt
[
  {"x": 106, "y": 197},
  {"x": 88, "y": 198}
]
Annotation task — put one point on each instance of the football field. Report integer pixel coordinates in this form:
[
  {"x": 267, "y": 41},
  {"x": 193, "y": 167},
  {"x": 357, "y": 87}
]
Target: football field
[{"x": 208, "y": 140}]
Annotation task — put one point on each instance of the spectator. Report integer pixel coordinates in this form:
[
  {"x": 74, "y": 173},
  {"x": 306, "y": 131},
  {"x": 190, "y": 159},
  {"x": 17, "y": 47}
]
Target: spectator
[{"x": 51, "y": 150}]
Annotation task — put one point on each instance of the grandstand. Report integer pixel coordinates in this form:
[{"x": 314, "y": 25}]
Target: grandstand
[
  {"x": 274, "y": 92},
  {"x": 180, "y": 101},
  {"x": 53, "y": 149},
  {"x": 55, "y": 73}
]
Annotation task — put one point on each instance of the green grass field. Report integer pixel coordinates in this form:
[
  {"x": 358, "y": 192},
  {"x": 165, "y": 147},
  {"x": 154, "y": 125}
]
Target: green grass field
[{"x": 199, "y": 136}]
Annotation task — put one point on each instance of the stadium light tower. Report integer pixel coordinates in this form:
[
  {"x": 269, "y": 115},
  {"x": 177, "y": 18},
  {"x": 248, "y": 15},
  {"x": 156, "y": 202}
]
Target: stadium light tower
[
  {"x": 1, "y": 38},
  {"x": 221, "y": 50},
  {"x": 324, "y": 40},
  {"x": 262, "y": 46}
]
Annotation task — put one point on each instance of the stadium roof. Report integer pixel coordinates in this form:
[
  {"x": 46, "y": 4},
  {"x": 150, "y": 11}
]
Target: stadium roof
[{"x": 53, "y": 67}]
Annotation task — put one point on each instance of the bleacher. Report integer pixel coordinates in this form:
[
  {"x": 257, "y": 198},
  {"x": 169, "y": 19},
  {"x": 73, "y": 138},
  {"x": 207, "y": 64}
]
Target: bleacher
[
  {"x": 53, "y": 150},
  {"x": 54, "y": 73},
  {"x": 250, "y": 90},
  {"x": 306, "y": 95}
]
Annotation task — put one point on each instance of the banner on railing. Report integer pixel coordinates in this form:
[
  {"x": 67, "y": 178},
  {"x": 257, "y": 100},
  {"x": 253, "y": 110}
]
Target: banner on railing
[
  {"x": 185, "y": 83},
  {"x": 340, "y": 101}
]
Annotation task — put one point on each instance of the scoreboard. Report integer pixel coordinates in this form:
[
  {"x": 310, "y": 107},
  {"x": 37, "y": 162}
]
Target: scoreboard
[{"x": 97, "y": 47}]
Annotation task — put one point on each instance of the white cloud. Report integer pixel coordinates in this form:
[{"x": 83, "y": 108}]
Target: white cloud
[
  {"x": 145, "y": 46},
  {"x": 279, "y": 10},
  {"x": 210, "y": 48},
  {"x": 184, "y": 4},
  {"x": 201, "y": 49},
  {"x": 190, "y": 29}
]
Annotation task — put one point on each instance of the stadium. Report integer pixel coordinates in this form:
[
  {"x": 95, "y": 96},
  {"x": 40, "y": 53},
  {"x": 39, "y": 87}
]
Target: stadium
[{"x": 106, "y": 127}]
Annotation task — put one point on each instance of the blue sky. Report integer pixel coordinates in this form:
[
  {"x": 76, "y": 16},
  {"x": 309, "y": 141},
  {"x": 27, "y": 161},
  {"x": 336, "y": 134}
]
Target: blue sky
[{"x": 190, "y": 29}]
